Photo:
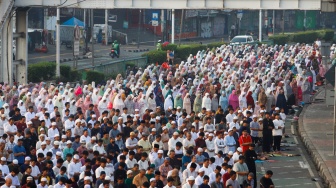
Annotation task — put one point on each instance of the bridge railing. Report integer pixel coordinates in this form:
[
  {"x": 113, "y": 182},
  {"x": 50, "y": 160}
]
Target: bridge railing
[
  {"x": 5, "y": 9},
  {"x": 117, "y": 67}
]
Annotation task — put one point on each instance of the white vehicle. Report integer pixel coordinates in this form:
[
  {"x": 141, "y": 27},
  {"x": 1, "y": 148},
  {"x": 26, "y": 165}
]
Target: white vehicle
[{"x": 242, "y": 39}]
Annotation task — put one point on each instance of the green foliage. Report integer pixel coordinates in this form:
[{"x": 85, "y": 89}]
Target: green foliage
[
  {"x": 215, "y": 45},
  {"x": 281, "y": 39},
  {"x": 327, "y": 34},
  {"x": 184, "y": 51},
  {"x": 47, "y": 71},
  {"x": 41, "y": 71},
  {"x": 155, "y": 56},
  {"x": 171, "y": 47},
  {"x": 95, "y": 76},
  {"x": 303, "y": 37}
]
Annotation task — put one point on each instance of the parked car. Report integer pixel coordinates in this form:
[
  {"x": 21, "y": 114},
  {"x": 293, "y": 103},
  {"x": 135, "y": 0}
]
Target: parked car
[{"x": 242, "y": 39}]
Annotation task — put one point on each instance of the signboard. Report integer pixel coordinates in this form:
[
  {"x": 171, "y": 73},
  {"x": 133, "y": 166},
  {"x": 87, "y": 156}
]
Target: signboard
[
  {"x": 76, "y": 48},
  {"x": 112, "y": 18},
  {"x": 155, "y": 19},
  {"x": 76, "y": 41},
  {"x": 240, "y": 14},
  {"x": 125, "y": 24}
]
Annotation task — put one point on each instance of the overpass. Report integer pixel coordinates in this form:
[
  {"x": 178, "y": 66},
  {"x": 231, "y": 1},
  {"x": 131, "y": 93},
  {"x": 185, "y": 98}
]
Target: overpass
[{"x": 10, "y": 70}]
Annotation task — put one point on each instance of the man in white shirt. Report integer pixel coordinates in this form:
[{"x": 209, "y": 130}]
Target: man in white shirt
[
  {"x": 277, "y": 132},
  {"x": 3, "y": 167},
  {"x": 187, "y": 143},
  {"x": 234, "y": 123},
  {"x": 15, "y": 180},
  {"x": 101, "y": 168},
  {"x": 100, "y": 148},
  {"x": 219, "y": 143},
  {"x": 190, "y": 183},
  {"x": 172, "y": 141},
  {"x": 43, "y": 183},
  {"x": 236, "y": 154},
  {"x": 199, "y": 178},
  {"x": 210, "y": 143},
  {"x": 41, "y": 114},
  {"x": 191, "y": 171},
  {"x": 3, "y": 121},
  {"x": 43, "y": 149},
  {"x": 209, "y": 127},
  {"x": 85, "y": 136},
  {"x": 30, "y": 114},
  {"x": 230, "y": 116},
  {"x": 132, "y": 142},
  {"x": 206, "y": 167},
  {"x": 74, "y": 167},
  {"x": 219, "y": 160},
  {"x": 229, "y": 142},
  {"x": 10, "y": 128},
  {"x": 53, "y": 131},
  {"x": 154, "y": 154},
  {"x": 70, "y": 124},
  {"x": 131, "y": 161}
]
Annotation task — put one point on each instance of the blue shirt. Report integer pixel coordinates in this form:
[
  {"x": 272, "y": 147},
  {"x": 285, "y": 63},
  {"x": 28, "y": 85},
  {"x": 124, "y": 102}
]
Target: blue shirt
[
  {"x": 185, "y": 159},
  {"x": 19, "y": 149}
]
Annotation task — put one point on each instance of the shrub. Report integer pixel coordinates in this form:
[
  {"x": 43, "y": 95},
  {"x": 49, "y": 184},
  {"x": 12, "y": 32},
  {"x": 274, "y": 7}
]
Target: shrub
[
  {"x": 156, "y": 56},
  {"x": 305, "y": 37},
  {"x": 184, "y": 51},
  {"x": 327, "y": 34},
  {"x": 47, "y": 71},
  {"x": 281, "y": 39},
  {"x": 95, "y": 76},
  {"x": 171, "y": 47},
  {"x": 215, "y": 45},
  {"x": 41, "y": 71}
]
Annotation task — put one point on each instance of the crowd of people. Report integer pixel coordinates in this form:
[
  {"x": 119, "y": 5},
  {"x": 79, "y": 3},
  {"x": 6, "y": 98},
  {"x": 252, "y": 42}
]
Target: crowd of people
[{"x": 201, "y": 123}]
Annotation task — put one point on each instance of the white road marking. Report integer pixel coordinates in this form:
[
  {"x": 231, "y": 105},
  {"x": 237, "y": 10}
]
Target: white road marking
[
  {"x": 309, "y": 168},
  {"x": 263, "y": 170},
  {"x": 295, "y": 140},
  {"x": 303, "y": 165}
]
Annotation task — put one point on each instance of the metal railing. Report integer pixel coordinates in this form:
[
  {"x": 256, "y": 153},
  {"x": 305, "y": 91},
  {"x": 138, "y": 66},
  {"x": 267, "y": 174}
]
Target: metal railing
[
  {"x": 117, "y": 67},
  {"x": 119, "y": 36}
]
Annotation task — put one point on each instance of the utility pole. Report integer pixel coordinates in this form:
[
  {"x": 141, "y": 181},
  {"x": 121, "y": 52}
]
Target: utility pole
[
  {"x": 273, "y": 22},
  {"x": 92, "y": 45},
  {"x": 181, "y": 26},
  {"x": 58, "y": 43},
  {"x": 139, "y": 28},
  {"x": 260, "y": 25},
  {"x": 106, "y": 27},
  {"x": 173, "y": 26},
  {"x": 163, "y": 24}
]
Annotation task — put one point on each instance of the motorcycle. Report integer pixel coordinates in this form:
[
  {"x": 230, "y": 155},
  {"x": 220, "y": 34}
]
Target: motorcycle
[{"x": 114, "y": 54}]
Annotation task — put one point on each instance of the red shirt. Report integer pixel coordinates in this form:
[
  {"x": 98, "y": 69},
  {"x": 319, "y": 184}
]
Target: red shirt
[
  {"x": 243, "y": 140},
  {"x": 21, "y": 126},
  {"x": 226, "y": 176}
]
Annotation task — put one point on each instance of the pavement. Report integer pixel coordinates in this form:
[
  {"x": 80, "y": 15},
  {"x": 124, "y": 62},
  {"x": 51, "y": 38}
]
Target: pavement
[
  {"x": 316, "y": 131},
  {"x": 294, "y": 167}
]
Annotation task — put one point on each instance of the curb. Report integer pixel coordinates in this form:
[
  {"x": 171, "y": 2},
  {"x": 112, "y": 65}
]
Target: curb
[
  {"x": 317, "y": 159},
  {"x": 72, "y": 59}
]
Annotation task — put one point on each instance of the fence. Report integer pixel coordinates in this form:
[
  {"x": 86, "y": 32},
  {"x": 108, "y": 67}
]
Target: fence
[
  {"x": 120, "y": 37},
  {"x": 117, "y": 67}
]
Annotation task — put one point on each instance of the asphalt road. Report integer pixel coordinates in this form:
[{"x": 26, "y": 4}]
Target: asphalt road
[
  {"x": 99, "y": 51},
  {"x": 291, "y": 171}
]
